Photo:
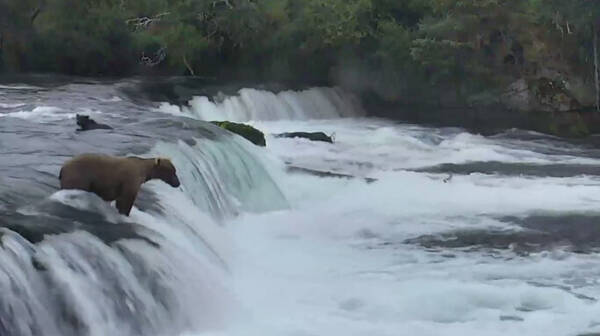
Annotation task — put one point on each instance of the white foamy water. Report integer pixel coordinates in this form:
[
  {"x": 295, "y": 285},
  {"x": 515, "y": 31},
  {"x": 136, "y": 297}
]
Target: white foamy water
[
  {"x": 113, "y": 99},
  {"x": 369, "y": 145},
  {"x": 19, "y": 87},
  {"x": 41, "y": 114},
  {"x": 343, "y": 260},
  {"x": 253, "y": 104},
  {"x": 337, "y": 263}
]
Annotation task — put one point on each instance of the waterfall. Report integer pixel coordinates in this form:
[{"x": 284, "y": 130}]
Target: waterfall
[
  {"x": 222, "y": 177},
  {"x": 253, "y": 104},
  {"x": 71, "y": 265}
]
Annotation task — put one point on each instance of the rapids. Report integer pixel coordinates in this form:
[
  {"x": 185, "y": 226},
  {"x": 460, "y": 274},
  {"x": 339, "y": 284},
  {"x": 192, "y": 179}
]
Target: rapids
[{"x": 453, "y": 233}]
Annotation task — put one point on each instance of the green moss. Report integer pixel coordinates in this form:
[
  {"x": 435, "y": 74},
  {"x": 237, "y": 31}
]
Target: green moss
[{"x": 250, "y": 133}]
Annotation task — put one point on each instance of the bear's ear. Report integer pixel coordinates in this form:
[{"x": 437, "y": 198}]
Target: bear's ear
[{"x": 157, "y": 162}]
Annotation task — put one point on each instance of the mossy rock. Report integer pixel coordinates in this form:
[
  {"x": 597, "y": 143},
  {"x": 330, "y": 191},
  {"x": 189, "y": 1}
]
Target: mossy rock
[
  {"x": 552, "y": 95},
  {"x": 250, "y": 133}
]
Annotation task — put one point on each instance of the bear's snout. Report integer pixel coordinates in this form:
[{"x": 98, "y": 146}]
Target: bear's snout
[{"x": 174, "y": 181}]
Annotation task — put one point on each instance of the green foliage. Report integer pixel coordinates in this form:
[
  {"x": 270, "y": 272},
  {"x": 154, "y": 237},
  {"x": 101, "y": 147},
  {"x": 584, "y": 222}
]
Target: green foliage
[
  {"x": 82, "y": 37},
  {"x": 15, "y": 33},
  {"x": 575, "y": 21},
  {"x": 397, "y": 48},
  {"x": 338, "y": 22}
]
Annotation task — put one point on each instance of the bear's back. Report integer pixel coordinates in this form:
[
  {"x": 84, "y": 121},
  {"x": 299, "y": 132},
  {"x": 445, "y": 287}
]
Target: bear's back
[{"x": 101, "y": 174}]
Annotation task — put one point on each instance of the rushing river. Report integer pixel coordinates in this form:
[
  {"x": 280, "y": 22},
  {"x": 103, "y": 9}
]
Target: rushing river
[{"x": 395, "y": 229}]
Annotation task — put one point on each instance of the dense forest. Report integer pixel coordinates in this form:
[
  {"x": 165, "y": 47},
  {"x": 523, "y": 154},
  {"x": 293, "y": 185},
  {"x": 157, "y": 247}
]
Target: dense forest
[{"x": 526, "y": 54}]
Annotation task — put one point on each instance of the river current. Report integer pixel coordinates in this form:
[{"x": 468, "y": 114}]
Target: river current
[{"x": 394, "y": 229}]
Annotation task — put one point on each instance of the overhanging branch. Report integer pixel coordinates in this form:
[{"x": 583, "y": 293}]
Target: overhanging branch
[{"x": 144, "y": 22}]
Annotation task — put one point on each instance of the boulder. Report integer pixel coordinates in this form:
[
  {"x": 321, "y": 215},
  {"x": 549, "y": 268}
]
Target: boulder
[
  {"x": 518, "y": 96},
  {"x": 312, "y": 136},
  {"x": 248, "y": 132},
  {"x": 541, "y": 94},
  {"x": 553, "y": 105},
  {"x": 552, "y": 95}
]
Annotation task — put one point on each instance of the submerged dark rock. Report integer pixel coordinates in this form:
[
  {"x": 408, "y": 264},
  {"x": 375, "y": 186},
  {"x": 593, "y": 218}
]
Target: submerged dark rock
[
  {"x": 312, "y": 136},
  {"x": 320, "y": 173},
  {"x": 511, "y": 318},
  {"x": 248, "y": 132},
  {"x": 512, "y": 169},
  {"x": 48, "y": 217},
  {"x": 86, "y": 123},
  {"x": 577, "y": 233}
]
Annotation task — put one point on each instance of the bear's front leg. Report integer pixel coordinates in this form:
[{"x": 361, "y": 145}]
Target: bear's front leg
[{"x": 126, "y": 199}]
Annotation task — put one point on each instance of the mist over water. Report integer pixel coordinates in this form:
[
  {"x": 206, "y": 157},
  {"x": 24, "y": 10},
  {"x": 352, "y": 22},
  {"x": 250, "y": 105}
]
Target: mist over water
[{"x": 416, "y": 230}]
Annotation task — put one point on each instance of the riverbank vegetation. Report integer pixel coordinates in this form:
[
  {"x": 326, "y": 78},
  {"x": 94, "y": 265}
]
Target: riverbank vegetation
[{"x": 526, "y": 54}]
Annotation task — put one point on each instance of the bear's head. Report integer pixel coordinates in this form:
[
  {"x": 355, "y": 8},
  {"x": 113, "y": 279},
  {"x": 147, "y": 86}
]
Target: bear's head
[
  {"x": 82, "y": 119},
  {"x": 165, "y": 170}
]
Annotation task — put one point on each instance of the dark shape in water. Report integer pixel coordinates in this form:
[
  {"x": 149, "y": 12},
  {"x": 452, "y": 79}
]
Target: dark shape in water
[
  {"x": 447, "y": 179},
  {"x": 511, "y": 318},
  {"x": 513, "y": 169},
  {"x": 320, "y": 173},
  {"x": 312, "y": 136},
  {"x": 86, "y": 123},
  {"x": 60, "y": 218}
]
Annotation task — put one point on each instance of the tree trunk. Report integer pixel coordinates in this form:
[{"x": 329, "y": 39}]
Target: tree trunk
[
  {"x": 597, "y": 80},
  {"x": 35, "y": 14},
  {"x": 187, "y": 65}
]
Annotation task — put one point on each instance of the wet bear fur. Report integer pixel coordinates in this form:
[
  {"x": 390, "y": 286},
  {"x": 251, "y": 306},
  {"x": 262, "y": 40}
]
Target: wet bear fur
[
  {"x": 115, "y": 178},
  {"x": 86, "y": 123}
]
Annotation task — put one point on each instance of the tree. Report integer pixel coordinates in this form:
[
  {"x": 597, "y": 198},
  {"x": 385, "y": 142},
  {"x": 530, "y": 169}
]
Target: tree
[
  {"x": 580, "y": 17},
  {"x": 83, "y": 37},
  {"x": 16, "y": 30},
  {"x": 482, "y": 46}
]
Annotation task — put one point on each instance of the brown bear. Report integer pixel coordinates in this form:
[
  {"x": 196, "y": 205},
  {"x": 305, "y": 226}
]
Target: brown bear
[
  {"x": 115, "y": 178},
  {"x": 86, "y": 123}
]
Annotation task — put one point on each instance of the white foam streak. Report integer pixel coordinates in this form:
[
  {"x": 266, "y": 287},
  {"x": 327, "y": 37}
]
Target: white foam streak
[
  {"x": 19, "y": 87},
  {"x": 113, "y": 99},
  {"x": 41, "y": 114},
  {"x": 45, "y": 114},
  {"x": 12, "y": 105}
]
